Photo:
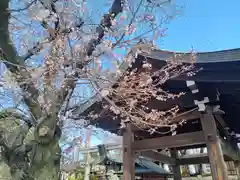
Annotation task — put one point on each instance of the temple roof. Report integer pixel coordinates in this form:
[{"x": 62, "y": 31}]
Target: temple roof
[
  {"x": 218, "y": 79},
  {"x": 143, "y": 165},
  {"x": 202, "y": 57}
]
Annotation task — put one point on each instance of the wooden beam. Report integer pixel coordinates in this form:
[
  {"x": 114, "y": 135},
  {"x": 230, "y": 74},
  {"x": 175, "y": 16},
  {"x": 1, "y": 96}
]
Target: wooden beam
[
  {"x": 229, "y": 151},
  {"x": 176, "y": 168},
  {"x": 223, "y": 126},
  {"x": 196, "y": 159},
  {"x": 192, "y": 147},
  {"x": 220, "y": 121},
  {"x": 185, "y": 116},
  {"x": 128, "y": 154},
  {"x": 218, "y": 166},
  {"x": 181, "y": 140},
  {"x": 158, "y": 157},
  {"x": 193, "y": 159}
]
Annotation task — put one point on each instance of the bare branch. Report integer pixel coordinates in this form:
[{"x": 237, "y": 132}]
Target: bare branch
[{"x": 106, "y": 23}]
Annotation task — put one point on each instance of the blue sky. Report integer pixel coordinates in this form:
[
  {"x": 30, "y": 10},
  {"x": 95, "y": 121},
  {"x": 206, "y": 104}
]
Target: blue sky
[{"x": 205, "y": 25}]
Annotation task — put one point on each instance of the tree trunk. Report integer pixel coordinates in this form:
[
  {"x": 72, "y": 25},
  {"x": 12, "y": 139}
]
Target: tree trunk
[
  {"x": 46, "y": 161},
  {"x": 33, "y": 159},
  {"x": 39, "y": 171}
]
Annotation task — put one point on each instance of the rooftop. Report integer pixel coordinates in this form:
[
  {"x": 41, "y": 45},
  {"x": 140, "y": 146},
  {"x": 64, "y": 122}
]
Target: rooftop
[{"x": 219, "y": 79}]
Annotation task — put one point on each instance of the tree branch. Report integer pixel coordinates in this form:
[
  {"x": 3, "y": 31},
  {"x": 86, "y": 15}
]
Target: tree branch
[
  {"x": 3, "y": 142},
  {"x": 9, "y": 53},
  {"x": 52, "y": 32},
  {"x": 106, "y": 23},
  {"x": 39, "y": 46},
  {"x": 11, "y": 112}
]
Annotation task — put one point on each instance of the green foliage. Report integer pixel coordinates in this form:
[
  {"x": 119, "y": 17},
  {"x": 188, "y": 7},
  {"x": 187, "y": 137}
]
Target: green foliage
[
  {"x": 73, "y": 178},
  {"x": 5, "y": 171},
  {"x": 76, "y": 176}
]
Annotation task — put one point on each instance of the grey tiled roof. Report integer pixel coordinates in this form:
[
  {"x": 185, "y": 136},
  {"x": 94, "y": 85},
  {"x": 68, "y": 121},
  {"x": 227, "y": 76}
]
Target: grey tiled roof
[
  {"x": 145, "y": 165},
  {"x": 149, "y": 165},
  {"x": 202, "y": 57}
]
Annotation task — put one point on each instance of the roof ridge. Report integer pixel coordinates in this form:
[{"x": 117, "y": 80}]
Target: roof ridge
[{"x": 198, "y": 52}]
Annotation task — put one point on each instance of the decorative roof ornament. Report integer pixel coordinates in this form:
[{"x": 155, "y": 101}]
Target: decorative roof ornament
[{"x": 201, "y": 104}]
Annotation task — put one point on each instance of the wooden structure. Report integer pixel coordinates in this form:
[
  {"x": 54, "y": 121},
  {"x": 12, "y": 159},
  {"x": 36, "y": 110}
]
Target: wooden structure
[{"x": 210, "y": 108}]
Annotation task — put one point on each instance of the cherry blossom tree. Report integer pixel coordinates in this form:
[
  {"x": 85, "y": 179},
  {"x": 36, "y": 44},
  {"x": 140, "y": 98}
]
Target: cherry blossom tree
[{"x": 56, "y": 54}]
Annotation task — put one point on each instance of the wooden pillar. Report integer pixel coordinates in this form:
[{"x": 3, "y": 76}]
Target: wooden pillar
[
  {"x": 217, "y": 164},
  {"x": 176, "y": 167},
  {"x": 128, "y": 154}
]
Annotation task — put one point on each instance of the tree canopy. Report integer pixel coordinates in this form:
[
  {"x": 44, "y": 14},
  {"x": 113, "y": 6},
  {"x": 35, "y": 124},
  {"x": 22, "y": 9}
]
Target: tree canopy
[{"x": 57, "y": 54}]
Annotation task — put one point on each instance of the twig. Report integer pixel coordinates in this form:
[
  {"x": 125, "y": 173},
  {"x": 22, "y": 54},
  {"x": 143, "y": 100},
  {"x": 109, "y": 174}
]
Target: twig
[{"x": 106, "y": 23}]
